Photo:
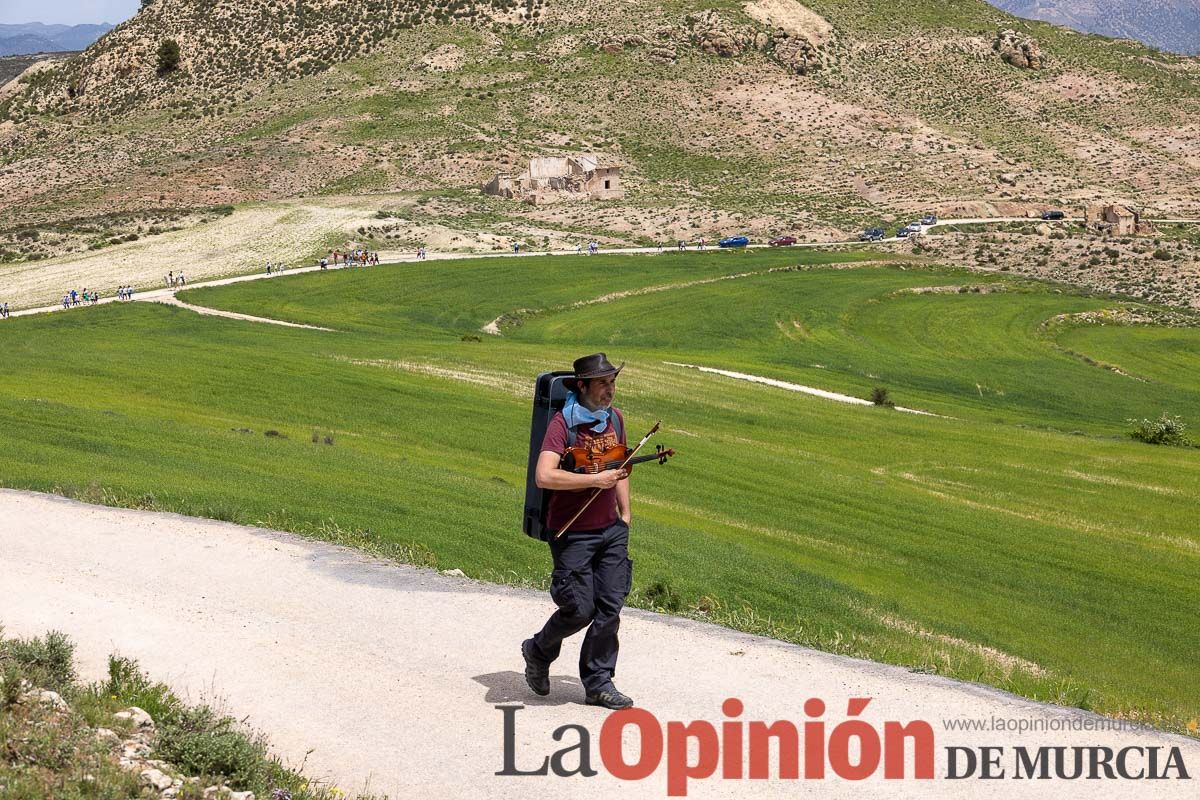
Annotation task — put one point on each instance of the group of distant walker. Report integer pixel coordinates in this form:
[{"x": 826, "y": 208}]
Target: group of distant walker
[
  {"x": 356, "y": 258},
  {"x": 74, "y": 298},
  {"x": 275, "y": 269},
  {"x": 124, "y": 292},
  {"x": 172, "y": 280}
]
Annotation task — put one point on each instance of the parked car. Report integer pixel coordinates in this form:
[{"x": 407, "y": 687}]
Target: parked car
[
  {"x": 734, "y": 241},
  {"x": 929, "y": 219},
  {"x": 1053, "y": 215},
  {"x": 872, "y": 235},
  {"x": 782, "y": 241}
]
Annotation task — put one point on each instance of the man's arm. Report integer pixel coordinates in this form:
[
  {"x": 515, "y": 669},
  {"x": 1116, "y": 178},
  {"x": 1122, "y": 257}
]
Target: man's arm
[{"x": 549, "y": 476}]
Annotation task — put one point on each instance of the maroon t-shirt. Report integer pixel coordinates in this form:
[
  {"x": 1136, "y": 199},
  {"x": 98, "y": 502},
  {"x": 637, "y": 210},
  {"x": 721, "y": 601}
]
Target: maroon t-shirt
[{"x": 563, "y": 504}]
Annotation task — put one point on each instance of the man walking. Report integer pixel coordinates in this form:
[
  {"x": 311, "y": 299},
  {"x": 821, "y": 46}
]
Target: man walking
[{"x": 592, "y": 571}]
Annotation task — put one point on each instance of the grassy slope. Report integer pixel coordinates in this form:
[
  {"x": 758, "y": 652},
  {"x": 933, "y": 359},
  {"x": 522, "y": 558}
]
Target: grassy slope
[{"x": 843, "y": 527}]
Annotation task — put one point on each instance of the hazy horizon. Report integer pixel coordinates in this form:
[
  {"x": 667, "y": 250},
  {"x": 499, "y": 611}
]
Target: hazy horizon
[{"x": 67, "y": 12}]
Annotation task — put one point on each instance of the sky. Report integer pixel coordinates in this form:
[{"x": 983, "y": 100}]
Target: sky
[{"x": 67, "y": 12}]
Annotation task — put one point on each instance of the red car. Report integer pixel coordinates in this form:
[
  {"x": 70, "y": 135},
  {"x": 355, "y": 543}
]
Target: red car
[{"x": 782, "y": 241}]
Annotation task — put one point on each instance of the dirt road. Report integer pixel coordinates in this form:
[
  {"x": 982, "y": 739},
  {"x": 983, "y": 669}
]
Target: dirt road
[{"x": 391, "y": 674}]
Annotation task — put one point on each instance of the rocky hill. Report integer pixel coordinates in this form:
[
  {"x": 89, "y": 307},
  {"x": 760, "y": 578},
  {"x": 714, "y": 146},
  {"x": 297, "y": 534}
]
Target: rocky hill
[
  {"x": 763, "y": 116},
  {"x": 1172, "y": 25}
]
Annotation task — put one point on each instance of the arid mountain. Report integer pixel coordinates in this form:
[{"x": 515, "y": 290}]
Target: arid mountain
[
  {"x": 761, "y": 116},
  {"x": 1172, "y": 25},
  {"x": 34, "y": 37}
]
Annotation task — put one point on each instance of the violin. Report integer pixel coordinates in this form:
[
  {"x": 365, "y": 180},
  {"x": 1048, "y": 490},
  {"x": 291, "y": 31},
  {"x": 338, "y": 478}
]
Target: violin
[{"x": 583, "y": 460}]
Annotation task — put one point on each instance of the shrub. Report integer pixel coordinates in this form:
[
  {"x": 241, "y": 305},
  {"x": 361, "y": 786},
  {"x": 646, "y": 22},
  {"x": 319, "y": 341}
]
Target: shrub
[
  {"x": 880, "y": 396},
  {"x": 132, "y": 687},
  {"x": 1162, "y": 255},
  {"x": 10, "y": 686},
  {"x": 168, "y": 57},
  {"x": 199, "y": 742},
  {"x": 1166, "y": 430},
  {"x": 47, "y": 663}
]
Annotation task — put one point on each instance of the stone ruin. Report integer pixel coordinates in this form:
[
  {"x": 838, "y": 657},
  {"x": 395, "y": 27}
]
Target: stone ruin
[
  {"x": 1116, "y": 219},
  {"x": 550, "y": 179}
]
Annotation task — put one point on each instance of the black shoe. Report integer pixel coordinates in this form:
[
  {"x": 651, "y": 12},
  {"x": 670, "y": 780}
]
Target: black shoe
[
  {"x": 536, "y": 675},
  {"x": 609, "y": 698}
]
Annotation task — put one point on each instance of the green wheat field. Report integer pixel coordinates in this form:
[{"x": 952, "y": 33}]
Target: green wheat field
[{"x": 1015, "y": 535}]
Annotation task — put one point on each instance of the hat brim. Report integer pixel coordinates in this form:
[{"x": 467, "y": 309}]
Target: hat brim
[{"x": 600, "y": 373}]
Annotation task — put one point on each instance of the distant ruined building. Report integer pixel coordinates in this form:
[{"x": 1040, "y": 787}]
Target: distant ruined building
[
  {"x": 552, "y": 178},
  {"x": 1117, "y": 219}
]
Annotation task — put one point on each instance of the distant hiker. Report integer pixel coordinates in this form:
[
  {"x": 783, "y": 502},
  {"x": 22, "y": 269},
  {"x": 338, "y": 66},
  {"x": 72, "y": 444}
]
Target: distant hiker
[
  {"x": 592, "y": 570},
  {"x": 4, "y": 311},
  {"x": 323, "y": 263},
  {"x": 182, "y": 280},
  {"x": 67, "y": 300},
  {"x": 682, "y": 246},
  {"x": 516, "y": 247}
]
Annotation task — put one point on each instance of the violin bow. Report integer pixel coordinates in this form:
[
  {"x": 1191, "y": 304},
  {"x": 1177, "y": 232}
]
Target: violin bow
[{"x": 596, "y": 493}]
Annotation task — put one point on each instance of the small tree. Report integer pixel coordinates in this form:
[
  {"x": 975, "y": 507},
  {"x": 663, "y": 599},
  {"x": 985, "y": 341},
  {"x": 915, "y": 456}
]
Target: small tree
[
  {"x": 880, "y": 396},
  {"x": 168, "y": 57}
]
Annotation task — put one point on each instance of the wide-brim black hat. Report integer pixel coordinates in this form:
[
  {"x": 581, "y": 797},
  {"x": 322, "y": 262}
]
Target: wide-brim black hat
[{"x": 596, "y": 365}]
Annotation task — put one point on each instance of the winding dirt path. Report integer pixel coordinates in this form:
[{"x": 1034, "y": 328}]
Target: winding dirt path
[{"x": 158, "y": 294}]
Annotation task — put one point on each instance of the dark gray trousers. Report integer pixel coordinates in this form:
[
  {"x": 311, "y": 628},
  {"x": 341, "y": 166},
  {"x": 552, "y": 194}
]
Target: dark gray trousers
[{"x": 591, "y": 579}]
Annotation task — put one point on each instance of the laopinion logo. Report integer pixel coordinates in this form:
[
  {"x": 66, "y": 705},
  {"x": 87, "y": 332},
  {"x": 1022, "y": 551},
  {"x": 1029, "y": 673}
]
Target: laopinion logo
[{"x": 815, "y": 748}]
